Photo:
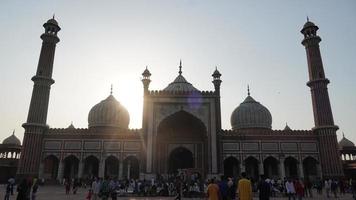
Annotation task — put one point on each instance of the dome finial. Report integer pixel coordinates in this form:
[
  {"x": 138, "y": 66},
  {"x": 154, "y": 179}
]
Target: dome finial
[
  {"x": 13, "y": 132},
  {"x": 53, "y": 15},
  {"x": 248, "y": 89},
  {"x": 343, "y": 134},
  {"x": 180, "y": 67},
  {"x": 307, "y": 18},
  {"x": 111, "y": 90}
]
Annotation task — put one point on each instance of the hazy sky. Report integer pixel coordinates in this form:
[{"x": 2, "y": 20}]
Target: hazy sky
[{"x": 111, "y": 42}]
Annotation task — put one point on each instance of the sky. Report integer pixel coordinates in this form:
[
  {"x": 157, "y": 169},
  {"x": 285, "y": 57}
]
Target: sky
[{"x": 111, "y": 42}]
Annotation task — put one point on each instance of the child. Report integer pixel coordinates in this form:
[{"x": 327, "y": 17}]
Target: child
[
  {"x": 90, "y": 193},
  {"x": 8, "y": 191}
]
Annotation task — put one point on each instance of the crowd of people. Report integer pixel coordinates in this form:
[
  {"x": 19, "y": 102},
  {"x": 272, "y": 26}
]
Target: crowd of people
[{"x": 225, "y": 188}]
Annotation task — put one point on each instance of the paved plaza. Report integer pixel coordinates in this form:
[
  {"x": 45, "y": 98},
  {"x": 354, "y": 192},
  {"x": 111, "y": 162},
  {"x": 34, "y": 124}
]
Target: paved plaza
[{"x": 58, "y": 193}]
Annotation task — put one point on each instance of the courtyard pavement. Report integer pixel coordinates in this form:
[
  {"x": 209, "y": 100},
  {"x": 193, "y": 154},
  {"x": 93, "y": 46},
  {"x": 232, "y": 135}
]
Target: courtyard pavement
[{"x": 58, "y": 193}]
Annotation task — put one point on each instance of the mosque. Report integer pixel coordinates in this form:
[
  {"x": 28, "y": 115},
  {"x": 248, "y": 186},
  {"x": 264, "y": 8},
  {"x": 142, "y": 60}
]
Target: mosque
[{"x": 181, "y": 131}]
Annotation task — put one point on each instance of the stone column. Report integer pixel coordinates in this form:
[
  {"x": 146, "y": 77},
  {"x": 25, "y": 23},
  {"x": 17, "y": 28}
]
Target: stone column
[
  {"x": 260, "y": 168},
  {"x": 128, "y": 169},
  {"x": 282, "y": 169},
  {"x": 40, "y": 170},
  {"x": 60, "y": 171},
  {"x": 121, "y": 168},
  {"x": 80, "y": 169},
  {"x": 102, "y": 168},
  {"x": 301, "y": 171},
  {"x": 242, "y": 167}
]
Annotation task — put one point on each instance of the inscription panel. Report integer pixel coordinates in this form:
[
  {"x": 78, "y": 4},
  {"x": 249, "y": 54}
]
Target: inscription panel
[
  {"x": 250, "y": 146},
  {"x": 132, "y": 145},
  {"x": 72, "y": 145},
  {"x": 310, "y": 146},
  {"x": 231, "y": 146},
  {"x": 289, "y": 146},
  {"x": 92, "y": 145},
  {"x": 52, "y": 145},
  {"x": 270, "y": 146},
  {"x": 112, "y": 145}
]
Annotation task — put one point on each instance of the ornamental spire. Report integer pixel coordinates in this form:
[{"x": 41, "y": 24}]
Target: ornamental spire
[
  {"x": 180, "y": 67},
  {"x": 111, "y": 90},
  {"x": 248, "y": 90}
]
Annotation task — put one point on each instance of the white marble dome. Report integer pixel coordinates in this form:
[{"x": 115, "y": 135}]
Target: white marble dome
[
  {"x": 109, "y": 113},
  {"x": 251, "y": 114},
  {"x": 12, "y": 140}
]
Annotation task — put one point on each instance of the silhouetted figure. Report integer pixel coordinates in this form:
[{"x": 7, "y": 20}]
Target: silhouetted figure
[
  {"x": 264, "y": 189},
  {"x": 23, "y": 190}
]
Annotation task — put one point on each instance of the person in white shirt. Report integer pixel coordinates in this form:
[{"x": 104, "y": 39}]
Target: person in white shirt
[
  {"x": 328, "y": 187},
  {"x": 95, "y": 186},
  {"x": 290, "y": 189}
]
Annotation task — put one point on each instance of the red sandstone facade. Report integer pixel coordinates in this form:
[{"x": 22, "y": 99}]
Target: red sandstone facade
[{"x": 181, "y": 129}]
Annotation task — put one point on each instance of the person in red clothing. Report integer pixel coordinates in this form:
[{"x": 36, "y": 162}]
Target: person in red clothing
[{"x": 299, "y": 189}]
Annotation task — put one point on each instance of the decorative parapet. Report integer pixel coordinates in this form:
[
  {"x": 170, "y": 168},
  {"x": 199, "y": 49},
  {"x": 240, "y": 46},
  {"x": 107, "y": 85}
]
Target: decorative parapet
[
  {"x": 87, "y": 131},
  {"x": 265, "y": 132},
  {"x": 154, "y": 93}
]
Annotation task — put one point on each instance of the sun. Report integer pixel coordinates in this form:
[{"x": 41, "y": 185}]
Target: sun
[{"x": 130, "y": 95}]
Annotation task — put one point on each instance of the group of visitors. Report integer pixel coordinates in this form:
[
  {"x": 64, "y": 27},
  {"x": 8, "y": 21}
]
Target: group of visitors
[
  {"x": 291, "y": 188},
  {"x": 26, "y": 189},
  {"x": 227, "y": 188}
]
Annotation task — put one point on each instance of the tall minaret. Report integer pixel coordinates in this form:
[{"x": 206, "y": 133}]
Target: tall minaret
[
  {"x": 37, "y": 114},
  {"x": 323, "y": 117}
]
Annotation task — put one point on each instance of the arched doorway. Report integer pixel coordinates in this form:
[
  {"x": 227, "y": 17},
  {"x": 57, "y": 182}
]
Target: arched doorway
[
  {"x": 50, "y": 168},
  {"x": 91, "y": 167},
  {"x": 180, "y": 158},
  {"x": 310, "y": 167},
  {"x": 270, "y": 165},
  {"x": 111, "y": 167},
  {"x": 131, "y": 168},
  {"x": 71, "y": 167},
  {"x": 178, "y": 130},
  {"x": 231, "y": 167},
  {"x": 251, "y": 168},
  {"x": 291, "y": 167}
]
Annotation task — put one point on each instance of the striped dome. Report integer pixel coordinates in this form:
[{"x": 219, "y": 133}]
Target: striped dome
[
  {"x": 12, "y": 140},
  {"x": 109, "y": 113},
  {"x": 251, "y": 114}
]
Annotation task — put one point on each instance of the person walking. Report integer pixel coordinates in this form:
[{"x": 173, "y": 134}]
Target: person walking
[
  {"x": 290, "y": 190},
  {"x": 23, "y": 190},
  {"x": 213, "y": 190},
  {"x": 328, "y": 187},
  {"x": 264, "y": 189},
  {"x": 299, "y": 189},
  {"x": 223, "y": 188},
  {"x": 244, "y": 188},
  {"x": 95, "y": 187},
  {"x": 34, "y": 189},
  {"x": 8, "y": 191}
]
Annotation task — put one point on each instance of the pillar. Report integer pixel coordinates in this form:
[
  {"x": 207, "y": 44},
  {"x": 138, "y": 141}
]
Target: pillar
[
  {"x": 301, "y": 171},
  {"x": 80, "y": 169},
  {"x": 121, "y": 168},
  {"x": 40, "y": 170},
  {"x": 128, "y": 169},
  {"x": 101, "y": 168},
  {"x": 242, "y": 167},
  {"x": 260, "y": 168},
  {"x": 282, "y": 169},
  {"x": 60, "y": 171},
  {"x": 319, "y": 170}
]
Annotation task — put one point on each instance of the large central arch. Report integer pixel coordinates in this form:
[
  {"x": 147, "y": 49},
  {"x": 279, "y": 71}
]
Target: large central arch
[
  {"x": 181, "y": 129},
  {"x": 180, "y": 158}
]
